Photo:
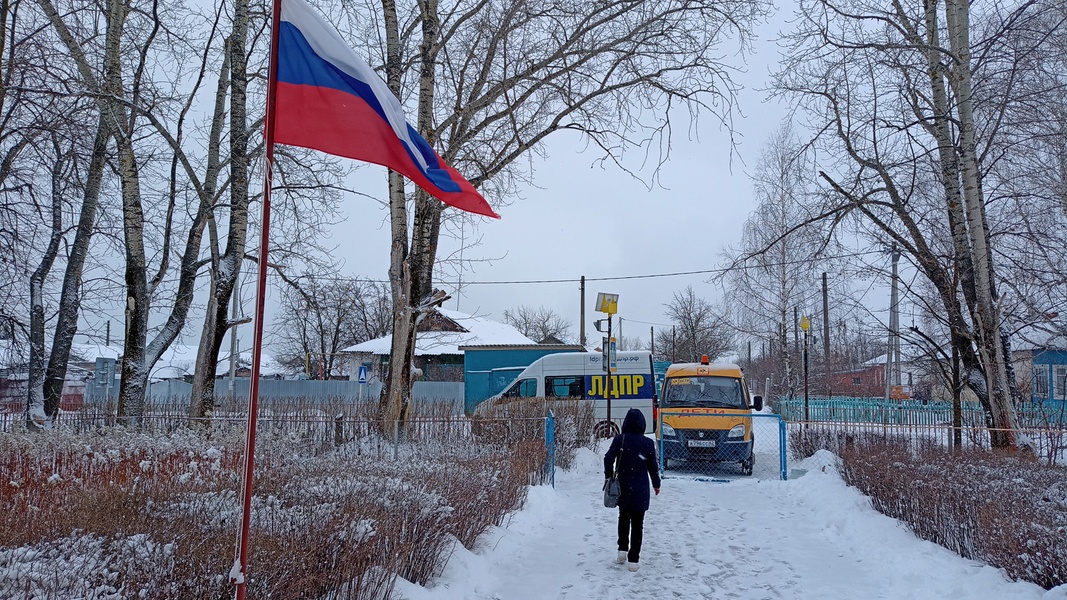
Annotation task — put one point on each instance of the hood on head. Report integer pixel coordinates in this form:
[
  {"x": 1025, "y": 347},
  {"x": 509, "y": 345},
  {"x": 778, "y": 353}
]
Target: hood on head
[{"x": 634, "y": 422}]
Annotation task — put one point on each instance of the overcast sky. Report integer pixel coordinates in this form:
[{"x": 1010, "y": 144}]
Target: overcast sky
[{"x": 583, "y": 218}]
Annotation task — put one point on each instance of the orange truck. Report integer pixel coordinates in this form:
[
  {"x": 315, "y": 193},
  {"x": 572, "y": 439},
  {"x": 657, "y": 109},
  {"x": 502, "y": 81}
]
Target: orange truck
[{"x": 703, "y": 413}]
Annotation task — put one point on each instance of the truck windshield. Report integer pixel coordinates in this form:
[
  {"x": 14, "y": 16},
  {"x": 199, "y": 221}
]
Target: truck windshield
[{"x": 723, "y": 392}]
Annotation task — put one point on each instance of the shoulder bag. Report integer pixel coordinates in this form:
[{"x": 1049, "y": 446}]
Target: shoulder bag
[{"x": 612, "y": 488}]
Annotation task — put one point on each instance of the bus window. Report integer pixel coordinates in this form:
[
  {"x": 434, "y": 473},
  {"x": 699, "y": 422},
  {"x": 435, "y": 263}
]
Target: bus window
[
  {"x": 559, "y": 387},
  {"x": 524, "y": 388}
]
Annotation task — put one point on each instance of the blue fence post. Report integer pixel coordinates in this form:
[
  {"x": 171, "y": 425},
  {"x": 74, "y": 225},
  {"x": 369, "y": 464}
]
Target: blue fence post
[
  {"x": 550, "y": 445},
  {"x": 659, "y": 432},
  {"x": 781, "y": 449}
]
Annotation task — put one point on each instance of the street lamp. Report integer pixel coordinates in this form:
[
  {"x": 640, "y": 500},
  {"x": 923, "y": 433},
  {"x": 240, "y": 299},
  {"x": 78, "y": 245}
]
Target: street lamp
[
  {"x": 609, "y": 304},
  {"x": 805, "y": 324}
]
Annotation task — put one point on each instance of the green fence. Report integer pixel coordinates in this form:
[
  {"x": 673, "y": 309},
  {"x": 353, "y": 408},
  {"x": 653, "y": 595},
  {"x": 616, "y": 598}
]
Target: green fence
[{"x": 844, "y": 409}]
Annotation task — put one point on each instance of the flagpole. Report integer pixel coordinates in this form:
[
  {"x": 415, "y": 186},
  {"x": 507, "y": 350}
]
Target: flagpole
[{"x": 239, "y": 577}]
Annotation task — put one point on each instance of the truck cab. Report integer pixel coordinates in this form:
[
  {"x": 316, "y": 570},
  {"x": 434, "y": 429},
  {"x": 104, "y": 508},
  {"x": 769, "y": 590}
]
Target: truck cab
[{"x": 703, "y": 413}]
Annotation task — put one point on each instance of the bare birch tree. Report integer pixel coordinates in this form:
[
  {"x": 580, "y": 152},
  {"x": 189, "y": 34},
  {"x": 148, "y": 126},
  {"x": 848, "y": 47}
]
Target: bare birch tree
[
  {"x": 40, "y": 168},
  {"x": 226, "y": 263},
  {"x": 774, "y": 269},
  {"x": 891, "y": 92}
]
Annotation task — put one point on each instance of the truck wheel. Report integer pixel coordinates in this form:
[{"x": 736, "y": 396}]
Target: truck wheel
[
  {"x": 605, "y": 429},
  {"x": 748, "y": 464}
]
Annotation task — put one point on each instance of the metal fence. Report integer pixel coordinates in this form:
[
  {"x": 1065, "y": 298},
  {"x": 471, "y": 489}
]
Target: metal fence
[
  {"x": 171, "y": 390},
  {"x": 550, "y": 447},
  {"x": 1044, "y": 425},
  {"x": 349, "y": 428},
  {"x": 722, "y": 446},
  {"x": 844, "y": 409}
]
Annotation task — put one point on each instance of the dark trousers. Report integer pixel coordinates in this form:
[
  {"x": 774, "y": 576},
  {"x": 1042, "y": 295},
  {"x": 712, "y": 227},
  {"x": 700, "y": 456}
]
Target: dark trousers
[{"x": 631, "y": 527}]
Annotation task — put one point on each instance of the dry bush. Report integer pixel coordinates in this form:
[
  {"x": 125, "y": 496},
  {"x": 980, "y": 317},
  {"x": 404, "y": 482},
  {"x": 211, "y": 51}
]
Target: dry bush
[
  {"x": 524, "y": 419},
  {"x": 574, "y": 429},
  {"x": 1003, "y": 510},
  {"x": 806, "y": 441},
  {"x": 114, "y": 514}
]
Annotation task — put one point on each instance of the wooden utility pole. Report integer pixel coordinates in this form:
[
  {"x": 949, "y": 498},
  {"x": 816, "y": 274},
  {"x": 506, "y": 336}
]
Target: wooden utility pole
[
  {"x": 825, "y": 320},
  {"x": 826, "y": 335},
  {"x": 892, "y": 357},
  {"x": 581, "y": 336}
]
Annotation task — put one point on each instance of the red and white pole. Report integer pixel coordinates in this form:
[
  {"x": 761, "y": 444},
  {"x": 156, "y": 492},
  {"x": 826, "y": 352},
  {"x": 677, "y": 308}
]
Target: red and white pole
[{"x": 239, "y": 571}]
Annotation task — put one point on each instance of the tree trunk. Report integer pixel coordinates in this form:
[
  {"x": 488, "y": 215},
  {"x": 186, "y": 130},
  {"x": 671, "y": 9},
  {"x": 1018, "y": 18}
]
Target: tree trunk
[
  {"x": 987, "y": 323},
  {"x": 427, "y": 226},
  {"x": 134, "y": 373},
  {"x": 398, "y": 384},
  {"x": 228, "y": 266},
  {"x": 412, "y": 276},
  {"x": 110, "y": 121},
  {"x": 134, "y": 382},
  {"x": 36, "y": 415},
  {"x": 941, "y": 129},
  {"x": 191, "y": 257},
  {"x": 70, "y": 297}
]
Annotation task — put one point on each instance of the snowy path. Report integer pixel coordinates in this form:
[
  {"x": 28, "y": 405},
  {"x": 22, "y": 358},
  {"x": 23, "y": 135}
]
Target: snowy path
[{"x": 808, "y": 538}]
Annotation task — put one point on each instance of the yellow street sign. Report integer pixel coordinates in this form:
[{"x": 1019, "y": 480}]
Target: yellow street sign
[{"x": 607, "y": 303}]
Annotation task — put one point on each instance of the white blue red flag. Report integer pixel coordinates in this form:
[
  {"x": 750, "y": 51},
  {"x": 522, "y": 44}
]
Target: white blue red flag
[{"x": 329, "y": 99}]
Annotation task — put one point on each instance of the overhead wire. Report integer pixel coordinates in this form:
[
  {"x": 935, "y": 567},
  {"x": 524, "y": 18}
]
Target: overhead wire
[{"x": 716, "y": 271}]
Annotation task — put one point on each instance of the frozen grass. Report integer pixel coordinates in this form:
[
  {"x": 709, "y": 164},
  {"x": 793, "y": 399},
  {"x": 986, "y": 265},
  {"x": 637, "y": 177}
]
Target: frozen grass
[
  {"x": 112, "y": 514},
  {"x": 1005, "y": 510}
]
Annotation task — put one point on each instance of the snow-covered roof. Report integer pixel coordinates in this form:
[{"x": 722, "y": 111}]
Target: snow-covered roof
[
  {"x": 91, "y": 352},
  {"x": 1040, "y": 337},
  {"x": 268, "y": 367},
  {"x": 479, "y": 331},
  {"x": 178, "y": 360}
]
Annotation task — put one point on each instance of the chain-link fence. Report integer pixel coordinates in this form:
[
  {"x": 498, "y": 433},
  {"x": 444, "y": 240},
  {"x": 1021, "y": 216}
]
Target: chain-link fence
[
  {"x": 549, "y": 432},
  {"x": 722, "y": 445}
]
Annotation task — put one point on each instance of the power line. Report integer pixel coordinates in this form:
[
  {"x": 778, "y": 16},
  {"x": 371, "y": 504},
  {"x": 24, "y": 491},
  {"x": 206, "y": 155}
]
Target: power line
[
  {"x": 648, "y": 323},
  {"x": 720, "y": 270}
]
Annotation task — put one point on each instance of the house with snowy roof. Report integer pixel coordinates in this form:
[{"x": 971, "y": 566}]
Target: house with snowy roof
[
  {"x": 1038, "y": 356},
  {"x": 438, "y": 341},
  {"x": 1039, "y": 353},
  {"x": 178, "y": 361}
]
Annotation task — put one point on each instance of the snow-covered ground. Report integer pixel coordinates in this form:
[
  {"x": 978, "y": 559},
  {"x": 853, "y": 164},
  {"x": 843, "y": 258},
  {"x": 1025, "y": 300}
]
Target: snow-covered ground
[{"x": 808, "y": 538}]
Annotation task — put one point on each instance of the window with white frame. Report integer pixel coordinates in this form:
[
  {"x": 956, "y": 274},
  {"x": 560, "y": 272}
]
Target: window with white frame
[
  {"x": 1040, "y": 389},
  {"x": 1059, "y": 382}
]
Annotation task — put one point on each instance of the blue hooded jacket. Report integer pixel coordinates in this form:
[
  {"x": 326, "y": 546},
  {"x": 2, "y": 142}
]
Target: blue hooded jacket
[{"x": 637, "y": 462}]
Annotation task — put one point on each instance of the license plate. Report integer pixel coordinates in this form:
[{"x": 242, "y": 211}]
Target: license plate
[{"x": 701, "y": 443}]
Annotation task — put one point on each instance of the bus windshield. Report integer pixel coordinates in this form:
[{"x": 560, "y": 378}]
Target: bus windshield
[{"x": 712, "y": 391}]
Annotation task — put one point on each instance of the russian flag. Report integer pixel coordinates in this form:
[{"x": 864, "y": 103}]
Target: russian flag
[{"x": 329, "y": 99}]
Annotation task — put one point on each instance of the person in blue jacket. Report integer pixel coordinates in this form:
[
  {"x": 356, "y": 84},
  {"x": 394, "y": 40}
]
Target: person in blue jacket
[{"x": 637, "y": 464}]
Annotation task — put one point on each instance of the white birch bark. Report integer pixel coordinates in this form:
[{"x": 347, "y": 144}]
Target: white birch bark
[
  {"x": 987, "y": 322},
  {"x": 398, "y": 386}
]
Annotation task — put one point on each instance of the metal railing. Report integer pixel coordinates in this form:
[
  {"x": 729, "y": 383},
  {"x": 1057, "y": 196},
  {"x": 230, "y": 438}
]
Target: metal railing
[{"x": 1043, "y": 425}]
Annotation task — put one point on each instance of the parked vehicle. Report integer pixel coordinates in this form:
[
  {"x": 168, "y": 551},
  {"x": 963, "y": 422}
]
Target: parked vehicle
[
  {"x": 581, "y": 376},
  {"x": 703, "y": 409}
]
